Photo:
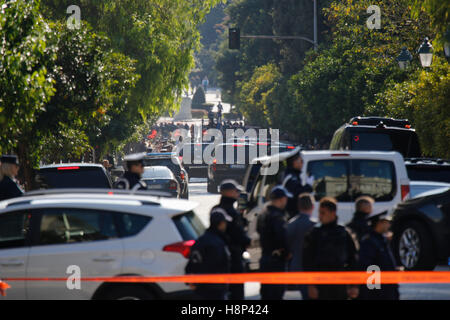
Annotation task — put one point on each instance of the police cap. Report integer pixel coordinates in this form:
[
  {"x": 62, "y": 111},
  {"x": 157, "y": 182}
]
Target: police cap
[
  {"x": 279, "y": 192},
  {"x": 9, "y": 159},
  {"x": 230, "y": 185},
  {"x": 373, "y": 219}
]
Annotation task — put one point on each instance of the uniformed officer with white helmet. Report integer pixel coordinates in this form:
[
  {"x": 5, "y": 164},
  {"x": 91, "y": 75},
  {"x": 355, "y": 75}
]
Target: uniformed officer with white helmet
[{"x": 131, "y": 179}]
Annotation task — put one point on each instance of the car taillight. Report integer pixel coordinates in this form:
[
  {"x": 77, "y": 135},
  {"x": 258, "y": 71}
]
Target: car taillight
[
  {"x": 290, "y": 147},
  {"x": 182, "y": 175},
  {"x": 183, "y": 247},
  {"x": 405, "y": 191},
  {"x": 173, "y": 185}
]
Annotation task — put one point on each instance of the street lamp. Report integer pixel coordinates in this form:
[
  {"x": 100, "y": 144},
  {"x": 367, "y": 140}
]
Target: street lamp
[
  {"x": 426, "y": 53},
  {"x": 404, "y": 58},
  {"x": 447, "y": 43}
]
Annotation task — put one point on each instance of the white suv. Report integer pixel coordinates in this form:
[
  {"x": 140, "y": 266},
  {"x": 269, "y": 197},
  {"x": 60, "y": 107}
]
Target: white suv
[
  {"x": 104, "y": 233},
  {"x": 344, "y": 175}
]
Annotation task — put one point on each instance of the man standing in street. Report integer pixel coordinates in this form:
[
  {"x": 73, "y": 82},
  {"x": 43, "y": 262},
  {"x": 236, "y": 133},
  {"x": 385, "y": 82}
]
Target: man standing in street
[
  {"x": 297, "y": 228},
  {"x": 210, "y": 255},
  {"x": 237, "y": 239},
  {"x": 292, "y": 181},
  {"x": 329, "y": 247},
  {"x": 376, "y": 250},
  {"x": 131, "y": 179},
  {"x": 271, "y": 226},
  {"x": 359, "y": 224}
]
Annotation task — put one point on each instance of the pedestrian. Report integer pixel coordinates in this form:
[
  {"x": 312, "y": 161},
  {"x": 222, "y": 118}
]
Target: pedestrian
[
  {"x": 297, "y": 228},
  {"x": 106, "y": 165},
  {"x": 271, "y": 226},
  {"x": 375, "y": 250},
  {"x": 131, "y": 179},
  {"x": 237, "y": 239},
  {"x": 291, "y": 180},
  {"x": 359, "y": 224},
  {"x": 9, "y": 169},
  {"x": 210, "y": 255},
  {"x": 329, "y": 247}
]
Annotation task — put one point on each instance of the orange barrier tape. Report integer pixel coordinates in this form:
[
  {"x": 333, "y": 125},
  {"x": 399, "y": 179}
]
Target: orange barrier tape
[
  {"x": 3, "y": 287},
  {"x": 359, "y": 277}
]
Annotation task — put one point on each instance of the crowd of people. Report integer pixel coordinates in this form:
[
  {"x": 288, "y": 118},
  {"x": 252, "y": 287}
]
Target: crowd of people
[{"x": 291, "y": 241}]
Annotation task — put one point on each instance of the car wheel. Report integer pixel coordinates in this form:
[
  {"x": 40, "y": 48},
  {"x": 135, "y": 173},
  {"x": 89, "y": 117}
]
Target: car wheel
[
  {"x": 414, "y": 247},
  {"x": 129, "y": 292}
]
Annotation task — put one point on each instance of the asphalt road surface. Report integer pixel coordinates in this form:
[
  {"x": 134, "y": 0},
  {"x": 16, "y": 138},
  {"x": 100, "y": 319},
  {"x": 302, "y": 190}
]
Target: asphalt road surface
[{"x": 198, "y": 193}]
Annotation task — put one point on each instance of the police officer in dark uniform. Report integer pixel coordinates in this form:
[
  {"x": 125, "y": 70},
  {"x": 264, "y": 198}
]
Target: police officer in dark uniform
[
  {"x": 292, "y": 181},
  {"x": 359, "y": 224},
  {"x": 9, "y": 168},
  {"x": 376, "y": 250},
  {"x": 237, "y": 238},
  {"x": 271, "y": 226},
  {"x": 329, "y": 247},
  {"x": 210, "y": 255},
  {"x": 131, "y": 179}
]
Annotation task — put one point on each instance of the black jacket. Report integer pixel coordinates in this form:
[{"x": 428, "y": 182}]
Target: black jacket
[
  {"x": 9, "y": 189},
  {"x": 375, "y": 250},
  {"x": 330, "y": 247},
  {"x": 129, "y": 181},
  {"x": 292, "y": 181},
  {"x": 210, "y": 255},
  {"x": 359, "y": 225},
  {"x": 237, "y": 239},
  {"x": 271, "y": 226}
]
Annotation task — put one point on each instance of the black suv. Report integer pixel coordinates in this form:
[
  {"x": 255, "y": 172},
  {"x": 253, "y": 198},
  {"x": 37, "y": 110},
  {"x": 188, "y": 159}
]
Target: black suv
[
  {"x": 421, "y": 229},
  {"x": 423, "y": 169},
  {"x": 377, "y": 134},
  {"x": 72, "y": 175}
]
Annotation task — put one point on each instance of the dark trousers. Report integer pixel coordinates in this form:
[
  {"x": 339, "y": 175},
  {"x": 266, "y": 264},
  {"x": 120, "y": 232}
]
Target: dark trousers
[
  {"x": 332, "y": 292},
  {"x": 304, "y": 291},
  {"x": 236, "y": 291},
  {"x": 272, "y": 291}
]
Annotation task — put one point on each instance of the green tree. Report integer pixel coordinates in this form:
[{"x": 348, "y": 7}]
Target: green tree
[{"x": 25, "y": 84}]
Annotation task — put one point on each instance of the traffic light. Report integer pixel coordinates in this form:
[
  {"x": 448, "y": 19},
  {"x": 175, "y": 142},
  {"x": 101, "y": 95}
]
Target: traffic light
[{"x": 234, "y": 37}]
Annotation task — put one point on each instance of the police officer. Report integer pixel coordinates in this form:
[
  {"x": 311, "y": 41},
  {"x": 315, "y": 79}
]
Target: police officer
[
  {"x": 359, "y": 224},
  {"x": 271, "y": 226},
  {"x": 237, "y": 238},
  {"x": 329, "y": 247},
  {"x": 375, "y": 250},
  {"x": 291, "y": 180},
  {"x": 9, "y": 168},
  {"x": 210, "y": 255},
  {"x": 131, "y": 179}
]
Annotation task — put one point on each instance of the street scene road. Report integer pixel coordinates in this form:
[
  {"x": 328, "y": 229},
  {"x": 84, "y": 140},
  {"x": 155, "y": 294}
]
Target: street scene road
[{"x": 224, "y": 150}]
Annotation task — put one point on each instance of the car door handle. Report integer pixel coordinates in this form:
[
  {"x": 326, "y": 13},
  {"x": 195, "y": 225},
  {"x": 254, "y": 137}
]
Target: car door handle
[
  {"x": 12, "y": 264},
  {"x": 104, "y": 259}
]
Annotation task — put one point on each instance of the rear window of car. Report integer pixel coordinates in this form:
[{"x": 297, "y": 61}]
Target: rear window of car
[
  {"x": 189, "y": 226},
  {"x": 429, "y": 173},
  {"x": 235, "y": 154},
  {"x": 73, "y": 177},
  {"x": 156, "y": 173},
  {"x": 405, "y": 142},
  {"x": 346, "y": 180}
]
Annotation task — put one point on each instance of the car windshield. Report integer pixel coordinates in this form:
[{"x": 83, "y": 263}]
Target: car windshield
[
  {"x": 156, "y": 173},
  {"x": 73, "y": 177}
]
